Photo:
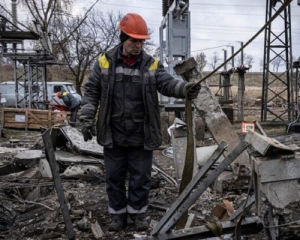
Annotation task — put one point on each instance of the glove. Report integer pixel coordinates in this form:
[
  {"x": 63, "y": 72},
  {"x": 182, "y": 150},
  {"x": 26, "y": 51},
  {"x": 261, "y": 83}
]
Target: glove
[
  {"x": 194, "y": 91},
  {"x": 88, "y": 128}
]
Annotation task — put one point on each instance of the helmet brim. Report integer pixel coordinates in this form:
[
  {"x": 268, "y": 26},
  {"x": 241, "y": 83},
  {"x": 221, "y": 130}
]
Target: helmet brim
[{"x": 138, "y": 36}]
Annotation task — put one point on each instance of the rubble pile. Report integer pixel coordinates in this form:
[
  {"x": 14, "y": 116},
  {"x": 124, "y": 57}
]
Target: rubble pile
[{"x": 30, "y": 206}]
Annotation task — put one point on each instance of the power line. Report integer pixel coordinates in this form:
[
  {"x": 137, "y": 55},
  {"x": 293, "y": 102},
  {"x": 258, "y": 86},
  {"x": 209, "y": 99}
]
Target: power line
[
  {"x": 243, "y": 14},
  {"x": 229, "y": 26},
  {"x": 218, "y": 5},
  {"x": 12, "y": 16},
  {"x": 210, "y": 48},
  {"x": 214, "y": 40},
  {"x": 232, "y": 30}
]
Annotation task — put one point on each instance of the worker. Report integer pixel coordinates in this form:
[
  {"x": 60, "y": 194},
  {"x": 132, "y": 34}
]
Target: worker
[
  {"x": 72, "y": 104},
  {"x": 125, "y": 81}
]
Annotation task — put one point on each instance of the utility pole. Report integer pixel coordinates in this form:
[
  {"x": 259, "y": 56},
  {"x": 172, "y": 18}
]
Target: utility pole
[
  {"x": 225, "y": 58},
  {"x": 242, "y": 52},
  {"x": 277, "y": 45},
  {"x": 232, "y": 53}
]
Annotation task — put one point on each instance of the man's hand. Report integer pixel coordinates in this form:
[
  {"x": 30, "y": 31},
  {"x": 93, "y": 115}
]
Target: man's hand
[
  {"x": 88, "y": 128},
  {"x": 194, "y": 90}
]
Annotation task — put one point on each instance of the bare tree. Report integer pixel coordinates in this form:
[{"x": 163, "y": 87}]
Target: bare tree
[
  {"x": 214, "y": 60},
  {"x": 248, "y": 60},
  {"x": 201, "y": 60},
  {"x": 277, "y": 62},
  {"x": 42, "y": 12},
  {"x": 261, "y": 64},
  {"x": 75, "y": 41},
  {"x": 94, "y": 36}
]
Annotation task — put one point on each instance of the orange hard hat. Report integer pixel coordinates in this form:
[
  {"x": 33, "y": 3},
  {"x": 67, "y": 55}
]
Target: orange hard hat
[
  {"x": 58, "y": 94},
  {"x": 134, "y": 26}
]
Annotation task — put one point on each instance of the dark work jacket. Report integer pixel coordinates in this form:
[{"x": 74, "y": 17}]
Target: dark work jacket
[
  {"x": 127, "y": 109},
  {"x": 100, "y": 85},
  {"x": 70, "y": 101}
]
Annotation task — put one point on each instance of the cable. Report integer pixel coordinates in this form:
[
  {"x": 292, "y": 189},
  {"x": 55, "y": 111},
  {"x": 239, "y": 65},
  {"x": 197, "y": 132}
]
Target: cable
[
  {"x": 218, "y": 13},
  {"x": 209, "y": 48},
  {"x": 17, "y": 21},
  {"x": 219, "y": 5},
  {"x": 281, "y": 225},
  {"x": 229, "y": 26},
  {"x": 278, "y": 12}
]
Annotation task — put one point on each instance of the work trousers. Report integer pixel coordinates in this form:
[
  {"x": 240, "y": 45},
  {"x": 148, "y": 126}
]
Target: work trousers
[
  {"x": 74, "y": 116},
  {"x": 138, "y": 162}
]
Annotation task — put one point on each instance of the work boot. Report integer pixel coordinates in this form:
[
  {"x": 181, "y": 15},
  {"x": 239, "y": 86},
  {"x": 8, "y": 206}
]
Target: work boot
[
  {"x": 139, "y": 222},
  {"x": 118, "y": 222}
]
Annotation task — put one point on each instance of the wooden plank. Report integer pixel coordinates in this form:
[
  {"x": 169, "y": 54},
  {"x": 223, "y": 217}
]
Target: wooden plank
[
  {"x": 10, "y": 120},
  {"x": 36, "y": 118},
  {"x": 31, "y": 120},
  {"x": 217, "y": 122},
  {"x": 12, "y": 115},
  {"x": 57, "y": 183},
  {"x": 13, "y": 110},
  {"x": 14, "y": 125},
  {"x": 49, "y": 118},
  {"x": 34, "y": 126},
  {"x": 42, "y": 116},
  {"x": 21, "y": 125}
]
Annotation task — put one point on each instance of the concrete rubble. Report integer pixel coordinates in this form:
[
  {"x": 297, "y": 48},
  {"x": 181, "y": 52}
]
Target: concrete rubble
[{"x": 29, "y": 202}]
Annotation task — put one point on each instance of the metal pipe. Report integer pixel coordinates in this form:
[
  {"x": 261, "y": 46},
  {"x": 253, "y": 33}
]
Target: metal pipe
[
  {"x": 14, "y": 19},
  {"x": 14, "y": 13}
]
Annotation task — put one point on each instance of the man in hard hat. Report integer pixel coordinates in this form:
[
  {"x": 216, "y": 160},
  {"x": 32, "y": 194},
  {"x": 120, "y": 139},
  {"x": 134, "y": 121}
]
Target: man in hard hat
[
  {"x": 72, "y": 104},
  {"x": 125, "y": 81}
]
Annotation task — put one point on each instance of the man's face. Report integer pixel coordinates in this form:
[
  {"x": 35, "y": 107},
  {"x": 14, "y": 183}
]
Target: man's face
[{"x": 133, "y": 47}]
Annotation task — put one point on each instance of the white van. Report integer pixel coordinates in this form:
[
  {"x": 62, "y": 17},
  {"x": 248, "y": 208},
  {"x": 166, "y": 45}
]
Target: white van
[{"x": 7, "y": 90}]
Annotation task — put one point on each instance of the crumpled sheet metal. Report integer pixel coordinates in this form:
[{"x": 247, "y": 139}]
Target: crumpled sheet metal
[
  {"x": 86, "y": 172},
  {"x": 76, "y": 139}
]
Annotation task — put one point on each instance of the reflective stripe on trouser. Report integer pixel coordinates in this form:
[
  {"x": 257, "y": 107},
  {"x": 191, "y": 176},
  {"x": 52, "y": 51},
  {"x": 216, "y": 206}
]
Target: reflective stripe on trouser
[{"x": 138, "y": 162}]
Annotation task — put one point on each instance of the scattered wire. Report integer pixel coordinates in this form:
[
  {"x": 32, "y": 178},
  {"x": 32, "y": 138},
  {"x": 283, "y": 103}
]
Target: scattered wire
[
  {"x": 30, "y": 202},
  {"x": 167, "y": 177},
  {"x": 282, "y": 225},
  {"x": 168, "y": 152}
]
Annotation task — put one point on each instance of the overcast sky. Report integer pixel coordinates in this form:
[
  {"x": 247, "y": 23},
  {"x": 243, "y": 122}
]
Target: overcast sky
[{"x": 215, "y": 25}]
